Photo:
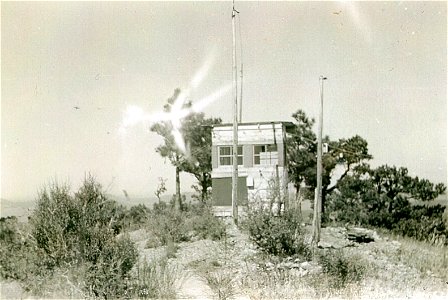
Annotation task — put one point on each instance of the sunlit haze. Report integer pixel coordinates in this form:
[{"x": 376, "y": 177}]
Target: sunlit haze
[{"x": 82, "y": 82}]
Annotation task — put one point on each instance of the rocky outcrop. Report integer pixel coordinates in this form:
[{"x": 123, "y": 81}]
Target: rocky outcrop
[{"x": 340, "y": 237}]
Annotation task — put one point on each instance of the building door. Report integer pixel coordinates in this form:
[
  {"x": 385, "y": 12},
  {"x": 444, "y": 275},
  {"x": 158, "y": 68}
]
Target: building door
[{"x": 222, "y": 191}]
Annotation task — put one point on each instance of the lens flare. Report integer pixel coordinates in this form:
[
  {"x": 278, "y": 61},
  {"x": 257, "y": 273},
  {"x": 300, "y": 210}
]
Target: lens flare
[
  {"x": 206, "y": 101},
  {"x": 200, "y": 75},
  {"x": 134, "y": 114},
  {"x": 359, "y": 20}
]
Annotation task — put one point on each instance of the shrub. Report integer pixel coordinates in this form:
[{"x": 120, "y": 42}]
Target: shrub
[
  {"x": 106, "y": 277},
  {"x": 168, "y": 225},
  {"x": 278, "y": 235},
  {"x": 171, "y": 225},
  {"x": 204, "y": 223},
  {"x": 156, "y": 280},
  {"x": 138, "y": 215},
  {"x": 342, "y": 269},
  {"x": 222, "y": 282},
  {"x": 19, "y": 256},
  {"x": 81, "y": 230},
  {"x": 54, "y": 225},
  {"x": 384, "y": 201},
  {"x": 8, "y": 230}
]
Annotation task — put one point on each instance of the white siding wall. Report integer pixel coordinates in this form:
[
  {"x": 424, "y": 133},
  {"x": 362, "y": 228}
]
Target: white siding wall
[{"x": 259, "y": 177}]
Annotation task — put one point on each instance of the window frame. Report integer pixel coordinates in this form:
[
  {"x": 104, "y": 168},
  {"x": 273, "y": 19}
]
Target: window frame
[
  {"x": 230, "y": 156},
  {"x": 266, "y": 147}
]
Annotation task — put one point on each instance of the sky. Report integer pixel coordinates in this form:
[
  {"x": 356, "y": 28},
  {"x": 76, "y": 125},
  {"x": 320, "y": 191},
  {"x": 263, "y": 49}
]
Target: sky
[{"x": 70, "y": 71}]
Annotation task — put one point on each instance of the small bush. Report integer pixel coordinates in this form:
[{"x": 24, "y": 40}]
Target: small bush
[
  {"x": 281, "y": 235},
  {"x": 20, "y": 258},
  {"x": 221, "y": 282},
  {"x": 139, "y": 214},
  {"x": 342, "y": 269},
  {"x": 204, "y": 223},
  {"x": 170, "y": 225},
  {"x": 106, "y": 277},
  {"x": 156, "y": 280}
]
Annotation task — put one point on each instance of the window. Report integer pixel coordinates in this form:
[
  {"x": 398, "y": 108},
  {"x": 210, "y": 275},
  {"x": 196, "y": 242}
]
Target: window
[
  {"x": 265, "y": 154},
  {"x": 226, "y": 155}
]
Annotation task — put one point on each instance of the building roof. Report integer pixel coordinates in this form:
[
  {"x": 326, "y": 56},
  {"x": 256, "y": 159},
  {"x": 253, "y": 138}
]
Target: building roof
[{"x": 287, "y": 124}]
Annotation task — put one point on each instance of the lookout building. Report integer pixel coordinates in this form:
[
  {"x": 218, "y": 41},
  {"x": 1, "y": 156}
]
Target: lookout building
[{"x": 262, "y": 163}]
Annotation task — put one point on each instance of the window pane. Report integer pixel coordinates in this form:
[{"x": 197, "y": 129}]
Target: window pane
[
  {"x": 224, "y": 150},
  {"x": 225, "y": 161},
  {"x": 240, "y": 150},
  {"x": 256, "y": 160},
  {"x": 257, "y": 149},
  {"x": 240, "y": 160}
]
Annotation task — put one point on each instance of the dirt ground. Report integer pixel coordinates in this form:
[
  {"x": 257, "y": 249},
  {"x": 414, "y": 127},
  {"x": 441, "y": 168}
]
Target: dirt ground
[{"x": 231, "y": 261}]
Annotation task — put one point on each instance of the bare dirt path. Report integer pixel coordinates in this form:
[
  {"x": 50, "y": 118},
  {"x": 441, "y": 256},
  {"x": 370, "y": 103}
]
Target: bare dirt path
[
  {"x": 220, "y": 262},
  {"x": 194, "y": 287}
]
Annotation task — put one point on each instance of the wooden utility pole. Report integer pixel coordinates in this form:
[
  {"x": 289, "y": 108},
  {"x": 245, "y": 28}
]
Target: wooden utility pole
[
  {"x": 235, "y": 126},
  {"x": 318, "y": 192}
]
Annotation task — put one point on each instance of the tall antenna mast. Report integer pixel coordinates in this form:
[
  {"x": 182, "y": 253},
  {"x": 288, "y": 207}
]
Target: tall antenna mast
[
  {"x": 241, "y": 72},
  {"x": 241, "y": 94},
  {"x": 235, "y": 125}
]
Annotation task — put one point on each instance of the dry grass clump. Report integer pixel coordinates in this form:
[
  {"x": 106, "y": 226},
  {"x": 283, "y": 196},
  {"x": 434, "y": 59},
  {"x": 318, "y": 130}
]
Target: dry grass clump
[
  {"x": 222, "y": 283},
  {"x": 402, "y": 269},
  {"x": 429, "y": 259},
  {"x": 155, "y": 280},
  {"x": 276, "y": 284}
]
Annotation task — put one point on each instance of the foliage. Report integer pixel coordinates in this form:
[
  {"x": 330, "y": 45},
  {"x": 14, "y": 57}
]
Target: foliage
[
  {"x": 136, "y": 216},
  {"x": 302, "y": 156},
  {"x": 342, "y": 269},
  {"x": 106, "y": 275},
  {"x": 301, "y": 151},
  {"x": 161, "y": 188},
  {"x": 81, "y": 230},
  {"x": 280, "y": 235},
  {"x": 167, "y": 225},
  {"x": 169, "y": 149},
  {"x": 204, "y": 224},
  {"x": 195, "y": 131},
  {"x": 156, "y": 280},
  {"x": 222, "y": 282},
  {"x": 194, "y": 221},
  {"x": 8, "y": 230},
  {"x": 19, "y": 256},
  {"x": 381, "y": 197},
  {"x": 53, "y": 225}
]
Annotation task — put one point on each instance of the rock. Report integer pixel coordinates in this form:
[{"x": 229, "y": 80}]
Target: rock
[
  {"x": 269, "y": 265},
  {"x": 325, "y": 245},
  {"x": 305, "y": 265},
  {"x": 310, "y": 267},
  {"x": 334, "y": 238},
  {"x": 299, "y": 272},
  {"x": 361, "y": 235},
  {"x": 288, "y": 265}
]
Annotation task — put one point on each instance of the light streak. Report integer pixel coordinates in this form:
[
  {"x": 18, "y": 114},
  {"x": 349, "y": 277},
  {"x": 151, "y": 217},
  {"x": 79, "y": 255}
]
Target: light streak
[
  {"x": 134, "y": 114},
  {"x": 359, "y": 20},
  {"x": 206, "y": 101}
]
